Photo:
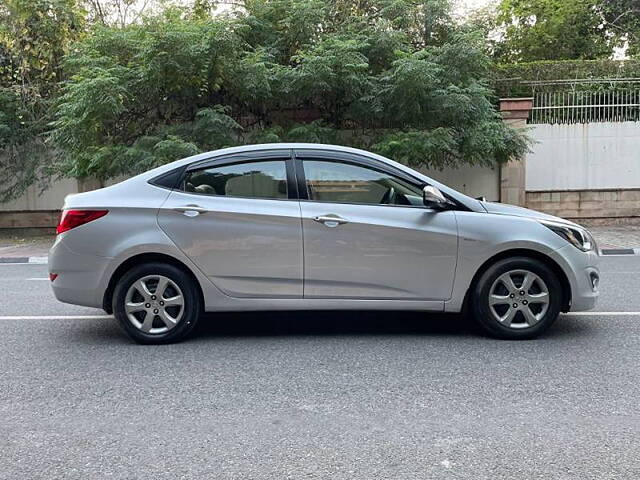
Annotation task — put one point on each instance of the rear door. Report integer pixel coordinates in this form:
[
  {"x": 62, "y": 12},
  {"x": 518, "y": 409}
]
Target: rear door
[
  {"x": 367, "y": 234},
  {"x": 238, "y": 219}
]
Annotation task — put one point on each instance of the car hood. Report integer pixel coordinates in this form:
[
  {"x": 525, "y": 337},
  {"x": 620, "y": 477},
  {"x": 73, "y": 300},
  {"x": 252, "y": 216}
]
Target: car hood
[{"x": 505, "y": 209}]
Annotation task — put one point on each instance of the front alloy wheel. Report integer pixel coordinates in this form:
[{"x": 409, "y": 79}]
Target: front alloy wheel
[
  {"x": 519, "y": 299},
  {"x": 516, "y": 298}
]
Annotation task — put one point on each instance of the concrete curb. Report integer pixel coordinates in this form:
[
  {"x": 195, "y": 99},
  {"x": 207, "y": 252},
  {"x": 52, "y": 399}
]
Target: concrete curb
[{"x": 620, "y": 251}]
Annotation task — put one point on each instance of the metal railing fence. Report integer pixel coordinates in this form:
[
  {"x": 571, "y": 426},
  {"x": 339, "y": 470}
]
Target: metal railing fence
[{"x": 572, "y": 106}]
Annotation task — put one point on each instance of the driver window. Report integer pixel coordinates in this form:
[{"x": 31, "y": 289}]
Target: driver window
[{"x": 329, "y": 181}]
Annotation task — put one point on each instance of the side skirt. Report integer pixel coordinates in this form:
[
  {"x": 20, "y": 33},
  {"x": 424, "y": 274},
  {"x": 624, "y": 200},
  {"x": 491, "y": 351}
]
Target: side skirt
[{"x": 257, "y": 304}]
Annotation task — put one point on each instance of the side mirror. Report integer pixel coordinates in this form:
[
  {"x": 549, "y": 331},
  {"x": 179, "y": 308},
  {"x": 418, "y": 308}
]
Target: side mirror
[{"x": 433, "y": 198}]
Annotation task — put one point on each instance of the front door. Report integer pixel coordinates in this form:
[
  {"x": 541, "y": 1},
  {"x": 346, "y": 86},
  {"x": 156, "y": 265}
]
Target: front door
[
  {"x": 238, "y": 221},
  {"x": 367, "y": 234}
]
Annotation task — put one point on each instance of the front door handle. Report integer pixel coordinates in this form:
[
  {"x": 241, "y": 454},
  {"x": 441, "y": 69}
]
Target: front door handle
[
  {"x": 330, "y": 220},
  {"x": 191, "y": 210}
]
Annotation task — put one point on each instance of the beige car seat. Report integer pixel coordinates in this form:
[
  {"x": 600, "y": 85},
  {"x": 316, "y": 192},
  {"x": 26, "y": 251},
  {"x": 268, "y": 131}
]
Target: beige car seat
[{"x": 253, "y": 185}]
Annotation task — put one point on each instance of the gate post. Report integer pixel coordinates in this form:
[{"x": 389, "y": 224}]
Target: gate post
[{"x": 515, "y": 112}]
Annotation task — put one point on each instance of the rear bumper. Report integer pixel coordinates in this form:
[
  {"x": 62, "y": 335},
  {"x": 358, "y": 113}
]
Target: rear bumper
[
  {"x": 581, "y": 269},
  {"x": 80, "y": 277}
]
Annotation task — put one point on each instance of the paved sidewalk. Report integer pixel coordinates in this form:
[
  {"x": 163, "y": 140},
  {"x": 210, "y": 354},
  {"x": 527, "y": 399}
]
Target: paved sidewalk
[
  {"x": 617, "y": 236},
  {"x": 35, "y": 249},
  {"x": 21, "y": 249}
]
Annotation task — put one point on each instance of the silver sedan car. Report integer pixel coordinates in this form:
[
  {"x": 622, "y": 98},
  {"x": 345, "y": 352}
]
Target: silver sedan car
[{"x": 310, "y": 227}]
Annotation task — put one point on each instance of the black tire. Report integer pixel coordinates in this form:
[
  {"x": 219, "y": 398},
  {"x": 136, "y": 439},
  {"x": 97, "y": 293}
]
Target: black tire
[
  {"x": 190, "y": 312},
  {"x": 481, "y": 311}
]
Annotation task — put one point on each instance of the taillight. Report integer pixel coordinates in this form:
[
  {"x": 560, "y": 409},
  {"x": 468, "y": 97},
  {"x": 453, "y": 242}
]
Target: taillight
[{"x": 74, "y": 218}]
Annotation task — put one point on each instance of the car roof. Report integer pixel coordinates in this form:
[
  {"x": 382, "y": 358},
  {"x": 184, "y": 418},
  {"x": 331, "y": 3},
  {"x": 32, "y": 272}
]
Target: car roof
[{"x": 264, "y": 146}]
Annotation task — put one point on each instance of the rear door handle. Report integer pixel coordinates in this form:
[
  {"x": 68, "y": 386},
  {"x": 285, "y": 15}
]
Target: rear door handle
[
  {"x": 330, "y": 220},
  {"x": 191, "y": 210}
]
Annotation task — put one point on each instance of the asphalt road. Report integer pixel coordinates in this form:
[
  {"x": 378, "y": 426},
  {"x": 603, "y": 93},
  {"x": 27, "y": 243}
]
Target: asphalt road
[{"x": 324, "y": 395}]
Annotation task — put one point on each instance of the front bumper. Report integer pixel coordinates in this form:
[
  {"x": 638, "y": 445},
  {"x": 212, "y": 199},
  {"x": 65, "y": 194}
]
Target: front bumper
[
  {"x": 583, "y": 274},
  {"x": 80, "y": 277}
]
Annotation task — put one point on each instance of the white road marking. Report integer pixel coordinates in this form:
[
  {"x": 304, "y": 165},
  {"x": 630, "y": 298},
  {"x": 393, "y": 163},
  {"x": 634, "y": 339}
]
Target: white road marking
[
  {"x": 101, "y": 317},
  {"x": 38, "y": 260},
  {"x": 54, "y": 317},
  {"x": 38, "y": 278},
  {"x": 2, "y": 264}
]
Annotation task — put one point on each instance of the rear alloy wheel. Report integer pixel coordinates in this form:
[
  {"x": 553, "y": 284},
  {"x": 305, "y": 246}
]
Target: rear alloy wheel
[
  {"x": 516, "y": 298},
  {"x": 156, "y": 303}
]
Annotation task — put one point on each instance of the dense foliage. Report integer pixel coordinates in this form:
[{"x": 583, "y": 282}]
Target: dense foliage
[
  {"x": 550, "y": 30},
  {"x": 622, "y": 19},
  {"x": 99, "y": 88},
  {"x": 34, "y": 37},
  {"x": 84, "y": 96},
  {"x": 512, "y": 79},
  {"x": 533, "y": 30},
  {"x": 393, "y": 76}
]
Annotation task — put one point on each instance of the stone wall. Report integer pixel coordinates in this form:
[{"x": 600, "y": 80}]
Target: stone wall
[
  {"x": 32, "y": 222},
  {"x": 589, "y": 207}
]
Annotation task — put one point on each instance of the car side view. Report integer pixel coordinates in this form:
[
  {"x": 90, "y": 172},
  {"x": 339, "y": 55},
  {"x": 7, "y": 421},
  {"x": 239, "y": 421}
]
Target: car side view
[{"x": 311, "y": 227}]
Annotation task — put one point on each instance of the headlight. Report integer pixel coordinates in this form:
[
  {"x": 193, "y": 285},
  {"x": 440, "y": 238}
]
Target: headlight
[{"x": 576, "y": 236}]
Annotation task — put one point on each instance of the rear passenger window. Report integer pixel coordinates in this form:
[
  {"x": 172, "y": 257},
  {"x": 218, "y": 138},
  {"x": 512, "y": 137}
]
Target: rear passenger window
[{"x": 258, "y": 179}]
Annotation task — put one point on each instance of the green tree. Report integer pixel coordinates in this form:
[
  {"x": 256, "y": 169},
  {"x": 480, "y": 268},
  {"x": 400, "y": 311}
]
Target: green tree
[
  {"x": 621, "y": 18},
  {"x": 34, "y": 37},
  {"x": 550, "y": 30},
  {"x": 131, "y": 85},
  {"x": 395, "y": 76}
]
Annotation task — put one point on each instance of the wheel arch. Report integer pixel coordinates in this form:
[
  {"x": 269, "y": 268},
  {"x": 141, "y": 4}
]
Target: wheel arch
[
  {"x": 524, "y": 252},
  {"x": 129, "y": 263}
]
